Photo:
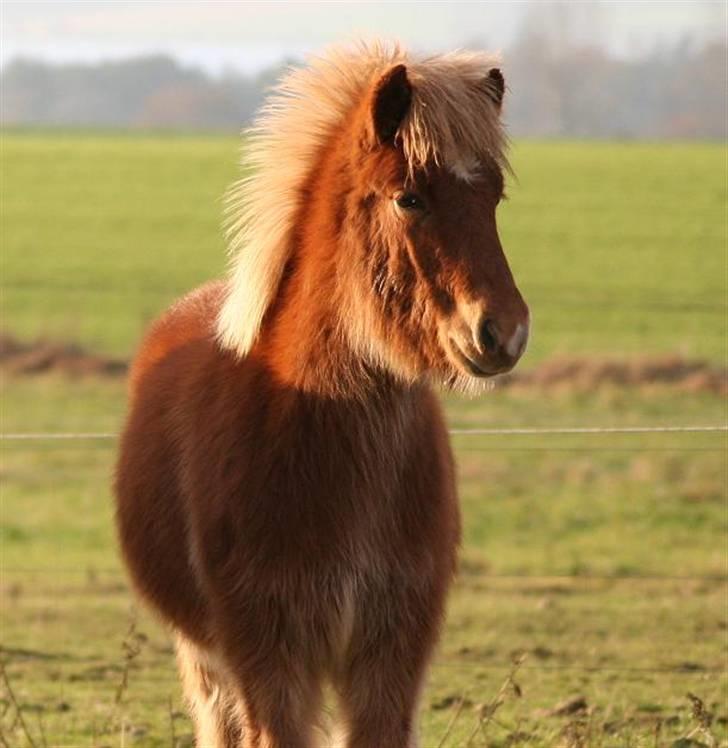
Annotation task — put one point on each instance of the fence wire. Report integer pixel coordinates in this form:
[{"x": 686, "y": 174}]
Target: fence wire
[
  {"x": 476, "y": 431},
  {"x": 549, "y": 295},
  {"x": 97, "y": 575}
]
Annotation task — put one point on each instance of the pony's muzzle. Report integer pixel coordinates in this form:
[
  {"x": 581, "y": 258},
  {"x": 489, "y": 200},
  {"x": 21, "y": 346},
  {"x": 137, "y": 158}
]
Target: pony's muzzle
[
  {"x": 492, "y": 341},
  {"x": 499, "y": 342},
  {"x": 490, "y": 344}
]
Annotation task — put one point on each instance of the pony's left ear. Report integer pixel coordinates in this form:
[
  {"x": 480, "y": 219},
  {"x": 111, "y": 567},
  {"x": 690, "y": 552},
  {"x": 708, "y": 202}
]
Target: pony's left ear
[
  {"x": 390, "y": 102},
  {"x": 495, "y": 87}
]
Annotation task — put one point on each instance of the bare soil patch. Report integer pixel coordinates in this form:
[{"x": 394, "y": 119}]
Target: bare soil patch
[
  {"x": 41, "y": 356},
  {"x": 562, "y": 373},
  {"x": 583, "y": 374}
]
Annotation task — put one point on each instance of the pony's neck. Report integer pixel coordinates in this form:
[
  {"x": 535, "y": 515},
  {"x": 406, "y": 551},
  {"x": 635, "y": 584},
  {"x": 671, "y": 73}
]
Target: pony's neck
[
  {"x": 306, "y": 337},
  {"x": 303, "y": 340}
]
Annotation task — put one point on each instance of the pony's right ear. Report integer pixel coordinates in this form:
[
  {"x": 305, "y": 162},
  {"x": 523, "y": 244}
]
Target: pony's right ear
[
  {"x": 495, "y": 87},
  {"x": 390, "y": 103}
]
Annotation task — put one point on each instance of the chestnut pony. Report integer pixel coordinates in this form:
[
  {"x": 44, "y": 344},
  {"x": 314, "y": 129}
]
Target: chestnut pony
[{"x": 286, "y": 492}]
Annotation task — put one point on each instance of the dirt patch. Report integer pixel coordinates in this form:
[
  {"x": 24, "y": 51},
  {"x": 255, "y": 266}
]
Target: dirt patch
[
  {"x": 563, "y": 373},
  {"x": 584, "y": 374},
  {"x": 42, "y": 356}
]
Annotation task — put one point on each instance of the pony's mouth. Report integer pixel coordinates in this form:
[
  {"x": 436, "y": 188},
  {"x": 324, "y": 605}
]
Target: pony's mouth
[{"x": 471, "y": 367}]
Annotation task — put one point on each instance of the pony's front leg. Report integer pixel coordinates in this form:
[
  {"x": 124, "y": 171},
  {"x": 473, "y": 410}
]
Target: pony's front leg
[
  {"x": 269, "y": 662},
  {"x": 217, "y": 719},
  {"x": 380, "y": 683},
  {"x": 280, "y": 710}
]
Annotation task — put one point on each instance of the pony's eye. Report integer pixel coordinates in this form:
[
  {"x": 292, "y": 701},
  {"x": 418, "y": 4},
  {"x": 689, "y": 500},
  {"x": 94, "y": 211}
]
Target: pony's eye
[{"x": 409, "y": 201}]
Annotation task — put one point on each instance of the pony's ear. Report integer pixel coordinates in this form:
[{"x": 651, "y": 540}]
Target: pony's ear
[
  {"x": 390, "y": 103},
  {"x": 495, "y": 86}
]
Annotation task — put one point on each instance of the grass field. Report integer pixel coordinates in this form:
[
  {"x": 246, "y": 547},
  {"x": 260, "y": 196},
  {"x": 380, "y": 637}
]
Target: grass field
[
  {"x": 602, "y": 558},
  {"x": 617, "y": 247}
]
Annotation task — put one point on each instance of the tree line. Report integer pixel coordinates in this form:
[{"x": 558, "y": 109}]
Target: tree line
[{"x": 570, "y": 91}]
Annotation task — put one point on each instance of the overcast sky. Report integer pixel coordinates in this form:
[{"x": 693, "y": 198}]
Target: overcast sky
[{"x": 251, "y": 35}]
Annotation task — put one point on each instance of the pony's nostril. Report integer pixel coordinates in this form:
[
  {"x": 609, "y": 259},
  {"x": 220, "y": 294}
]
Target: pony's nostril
[{"x": 488, "y": 336}]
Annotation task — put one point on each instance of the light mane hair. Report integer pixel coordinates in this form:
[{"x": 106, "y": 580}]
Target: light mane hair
[{"x": 452, "y": 121}]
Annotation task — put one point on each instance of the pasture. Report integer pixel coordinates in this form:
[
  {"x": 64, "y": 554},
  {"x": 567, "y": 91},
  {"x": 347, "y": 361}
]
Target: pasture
[{"x": 598, "y": 562}]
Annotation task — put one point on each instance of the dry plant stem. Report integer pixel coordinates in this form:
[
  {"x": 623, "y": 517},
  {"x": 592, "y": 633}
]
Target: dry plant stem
[
  {"x": 173, "y": 738},
  {"x": 452, "y": 722},
  {"x": 658, "y": 733},
  {"x": 16, "y": 705},
  {"x": 131, "y": 649},
  {"x": 41, "y": 730},
  {"x": 487, "y": 713},
  {"x": 704, "y": 719}
]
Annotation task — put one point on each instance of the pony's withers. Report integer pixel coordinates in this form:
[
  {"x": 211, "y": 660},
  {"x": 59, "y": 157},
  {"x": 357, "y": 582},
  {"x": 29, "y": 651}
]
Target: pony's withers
[{"x": 285, "y": 486}]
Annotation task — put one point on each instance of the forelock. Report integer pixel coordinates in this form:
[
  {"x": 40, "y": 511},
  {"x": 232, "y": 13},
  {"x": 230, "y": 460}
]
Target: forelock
[{"x": 452, "y": 122}]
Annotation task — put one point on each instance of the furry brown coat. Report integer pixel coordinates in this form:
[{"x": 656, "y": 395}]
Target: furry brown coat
[{"x": 286, "y": 493}]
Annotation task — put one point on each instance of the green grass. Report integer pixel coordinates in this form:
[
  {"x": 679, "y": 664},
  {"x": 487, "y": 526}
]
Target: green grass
[
  {"x": 621, "y": 248},
  {"x": 618, "y": 248},
  {"x": 603, "y": 558},
  {"x": 100, "y": 233}
]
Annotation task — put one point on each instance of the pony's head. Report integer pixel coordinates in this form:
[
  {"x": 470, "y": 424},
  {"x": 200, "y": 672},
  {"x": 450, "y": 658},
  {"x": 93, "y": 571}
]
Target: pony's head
[
  {"x": 426, "y": 176},
  {"x": 404, "y": 168}
]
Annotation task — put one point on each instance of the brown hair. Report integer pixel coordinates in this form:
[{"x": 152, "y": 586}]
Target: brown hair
[{"x": 285, "y": 487}]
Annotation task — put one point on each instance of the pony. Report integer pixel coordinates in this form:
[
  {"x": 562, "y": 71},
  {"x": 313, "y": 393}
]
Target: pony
[{"x": 285, "y": 487}]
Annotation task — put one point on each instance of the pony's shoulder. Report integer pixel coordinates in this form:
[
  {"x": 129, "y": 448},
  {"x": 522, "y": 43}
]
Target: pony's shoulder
[{"x": 190, "y": 319}]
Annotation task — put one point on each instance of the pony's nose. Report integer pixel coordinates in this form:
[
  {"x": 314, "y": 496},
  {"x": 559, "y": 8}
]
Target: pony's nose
[
  {"x": 488, "y": 336},
  {"x": 516, "y": 343},
  {"x": 504, "y": 345}
]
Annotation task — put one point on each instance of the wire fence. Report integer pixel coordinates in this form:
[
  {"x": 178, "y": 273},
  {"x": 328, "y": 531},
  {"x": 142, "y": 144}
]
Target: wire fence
[
  {"x": 552, "y": 294},
  {"x": 95, "y": 576},
  {"x": 688, "y": 669},
  {"x": 482, "y": 431},
  {"x": 108, "y": 438}
]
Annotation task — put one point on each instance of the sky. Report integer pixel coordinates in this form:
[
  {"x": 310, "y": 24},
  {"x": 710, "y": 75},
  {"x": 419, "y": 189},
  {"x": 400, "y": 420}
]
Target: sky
[{"x": 249, "y": 36}]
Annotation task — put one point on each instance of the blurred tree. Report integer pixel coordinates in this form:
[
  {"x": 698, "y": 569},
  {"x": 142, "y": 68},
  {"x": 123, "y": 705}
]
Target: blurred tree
[{"x": 561, "y": 85}]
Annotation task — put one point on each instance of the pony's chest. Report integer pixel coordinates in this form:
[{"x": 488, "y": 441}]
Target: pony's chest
[{"x": 321, "y": 487}]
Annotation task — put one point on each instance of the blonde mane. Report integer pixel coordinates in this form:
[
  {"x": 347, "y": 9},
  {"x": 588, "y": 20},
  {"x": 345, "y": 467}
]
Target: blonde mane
[{"x": 452, "y": 121}]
